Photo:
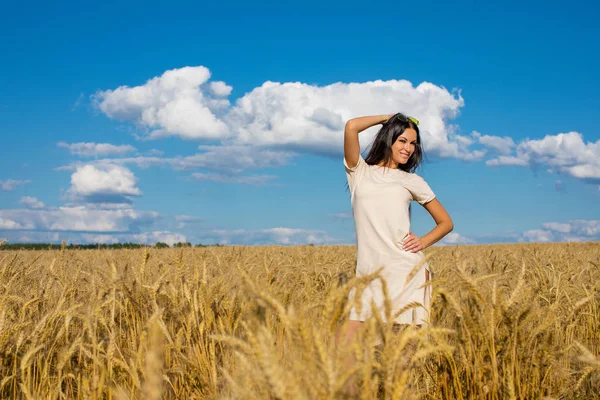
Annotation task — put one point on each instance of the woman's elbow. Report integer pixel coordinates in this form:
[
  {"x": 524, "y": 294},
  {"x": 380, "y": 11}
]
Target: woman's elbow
[
  {"x": 449, "y": 225},
  {"x": 349, "y": 125}
]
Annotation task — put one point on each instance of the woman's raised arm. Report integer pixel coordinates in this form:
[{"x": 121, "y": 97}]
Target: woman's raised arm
[{"x": 351, "y": 131}]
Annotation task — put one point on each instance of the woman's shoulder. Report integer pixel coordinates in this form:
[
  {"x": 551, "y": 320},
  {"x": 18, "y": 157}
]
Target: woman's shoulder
[{"x": 415, "y": 177}]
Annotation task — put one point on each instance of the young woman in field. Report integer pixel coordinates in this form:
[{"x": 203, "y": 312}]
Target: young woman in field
[{"x": 382, "y": 186}]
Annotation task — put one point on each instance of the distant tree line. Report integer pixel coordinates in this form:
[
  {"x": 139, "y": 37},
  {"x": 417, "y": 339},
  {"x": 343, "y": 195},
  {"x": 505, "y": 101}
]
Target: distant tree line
[{"x": 94, "y": 246}]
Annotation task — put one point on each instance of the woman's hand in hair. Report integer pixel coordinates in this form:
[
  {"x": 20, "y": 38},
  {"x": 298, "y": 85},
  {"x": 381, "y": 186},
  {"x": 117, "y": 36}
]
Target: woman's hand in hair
[
  {"x": 412, "y": 243},
  {"x": 388, "y": 118},
  {"x": 352, "y": 129}
]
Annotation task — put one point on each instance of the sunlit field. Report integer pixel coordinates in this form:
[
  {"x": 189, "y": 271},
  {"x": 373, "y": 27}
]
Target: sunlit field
[{"x": 507, "y": 322}]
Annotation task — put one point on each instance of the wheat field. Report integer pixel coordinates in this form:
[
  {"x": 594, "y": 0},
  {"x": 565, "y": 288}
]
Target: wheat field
[{"x": 507, "y": 322}]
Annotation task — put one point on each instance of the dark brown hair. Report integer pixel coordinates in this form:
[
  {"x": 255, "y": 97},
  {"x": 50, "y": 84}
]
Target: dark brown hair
[{"x": 381, "y": 149}]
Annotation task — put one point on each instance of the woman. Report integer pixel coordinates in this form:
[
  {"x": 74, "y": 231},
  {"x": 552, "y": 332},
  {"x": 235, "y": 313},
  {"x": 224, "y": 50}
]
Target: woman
[{"x": 382, "y": 186}]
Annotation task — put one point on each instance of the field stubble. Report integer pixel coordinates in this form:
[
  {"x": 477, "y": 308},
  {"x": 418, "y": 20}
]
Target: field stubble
[{"x": 508, "y": 322}]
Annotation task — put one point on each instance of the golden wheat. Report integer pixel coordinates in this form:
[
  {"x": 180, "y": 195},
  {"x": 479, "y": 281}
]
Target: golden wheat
[{"x": 507, "y": 321}]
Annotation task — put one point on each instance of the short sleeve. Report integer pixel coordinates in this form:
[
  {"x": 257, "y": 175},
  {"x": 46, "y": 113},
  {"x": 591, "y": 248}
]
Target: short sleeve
[
  {"x": 354, "y": 175},
  {"x": 420, "y": 190}
]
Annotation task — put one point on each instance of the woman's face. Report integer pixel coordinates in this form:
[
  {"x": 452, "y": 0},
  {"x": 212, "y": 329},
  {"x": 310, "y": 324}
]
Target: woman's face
[{"x": 404, "y": 146}]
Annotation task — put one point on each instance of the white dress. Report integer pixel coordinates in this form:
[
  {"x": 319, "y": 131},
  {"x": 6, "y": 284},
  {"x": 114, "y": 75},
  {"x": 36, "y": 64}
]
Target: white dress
[{"x": 380, "y": 199}]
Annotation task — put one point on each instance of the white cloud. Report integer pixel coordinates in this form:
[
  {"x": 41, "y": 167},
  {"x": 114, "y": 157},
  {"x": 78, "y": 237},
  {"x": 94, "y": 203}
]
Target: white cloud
[
  {"x": 254, "y": 180},
  {"x": 98, "y": 238},
  {"x": 292, "y": 115},
  {"x": 585, "y": 171},
  {"x": 233, "y": 158},
  {"x": 574, "y": 230},
  {"x": 146, "y": 238},
  {"x": 503, "y": 145},
  {"x": 169, "y": 238},
  {"x": 97, "y": 149},
  {"x": 140, "y": 161},
  {"x": 537, "y": 235},
  {"x": 506, "y": 160},
  {"x": 576, "y": 239},
  {"x": 103, "y": 206},
  {"x": 104, "y": 183},
  {"x": 570, "y": 231},
  {"x": 31, "y": 202},
  {"x": 37, "y": 237},
  {"x": 464, "y": 141},
  {"x": 90, "y": 223},
  {"x": 311, "y": 118},
  {"x": 228, "y": 158},
  {"x": 558, "y": 227},
  {"x": 578, "y": 227},
  {"x": 455, "y": 238},
  {"x": 220, "y": 89},
  {"x": 11, "y": 184},
  {"x": 178, "y": 103},
  {"x": 567, "y": 153},
  {"x": 80, "y": 218},
  {"x": 9, "y": 224},
  {"x": 279, "y": 236}
]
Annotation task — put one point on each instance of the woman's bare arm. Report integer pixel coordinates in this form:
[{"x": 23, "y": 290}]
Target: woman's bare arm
[
  {"x": 351, "y": 131},
  {"x": 444, "y": 225}
]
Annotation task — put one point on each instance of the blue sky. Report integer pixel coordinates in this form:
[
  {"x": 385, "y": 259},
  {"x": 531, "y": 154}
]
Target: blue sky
[{"x": 223, "y": 122}]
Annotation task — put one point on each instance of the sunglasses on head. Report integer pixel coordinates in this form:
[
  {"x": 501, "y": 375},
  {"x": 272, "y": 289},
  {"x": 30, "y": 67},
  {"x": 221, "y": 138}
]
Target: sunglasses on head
[{"x": 404, "y": 118}]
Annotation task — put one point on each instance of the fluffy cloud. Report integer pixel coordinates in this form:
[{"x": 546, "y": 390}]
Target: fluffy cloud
[
  {"x": 277, "y": 236},
  {"x": 455, "y": 238},
  {"x": 571, "y": 231},
  {"x": 267, "y": 126},
  {"x": 31, "y": 202},
  {"x": 167, "y": 237},
  {"x": 103, "y": 183},
  {"x": 230, "y": 158},
  {"x": 97, "y": 149},
  {"x": 579, "y": 227},
  {"x": 566, "y": 153},
  {"x": 558, "y": 227},
  {"x": 147, "y": 238},
  {"x": 80, "y": 218},
  {"x": 280, "y": 236},
  {"x": 311, "y": 118},
  {"x": 220, "y": 89},
  {"x": 292, "y": 115},
  {"x": 180, "y": 103},
  {"x": 503, "y": 145},
  {"x": 9, "y": 224},
  {"x": 537, "y": 235},
  {"x": 97, "y": 238},
  {"x": 507, "y": 160},
  {"x": 11, "y": 184},
  {"x": 90, "y": 223}
]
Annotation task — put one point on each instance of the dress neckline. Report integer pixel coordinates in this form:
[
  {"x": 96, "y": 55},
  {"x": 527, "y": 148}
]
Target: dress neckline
[{"x": 382, "y": 168}]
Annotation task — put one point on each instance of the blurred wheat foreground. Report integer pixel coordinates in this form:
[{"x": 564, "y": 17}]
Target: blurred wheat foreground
[{"x": 507, "y": 322}]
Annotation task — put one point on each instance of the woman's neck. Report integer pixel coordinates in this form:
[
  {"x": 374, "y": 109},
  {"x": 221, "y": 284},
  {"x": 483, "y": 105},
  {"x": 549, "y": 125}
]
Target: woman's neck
[{"x": 390, "y": 165}]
